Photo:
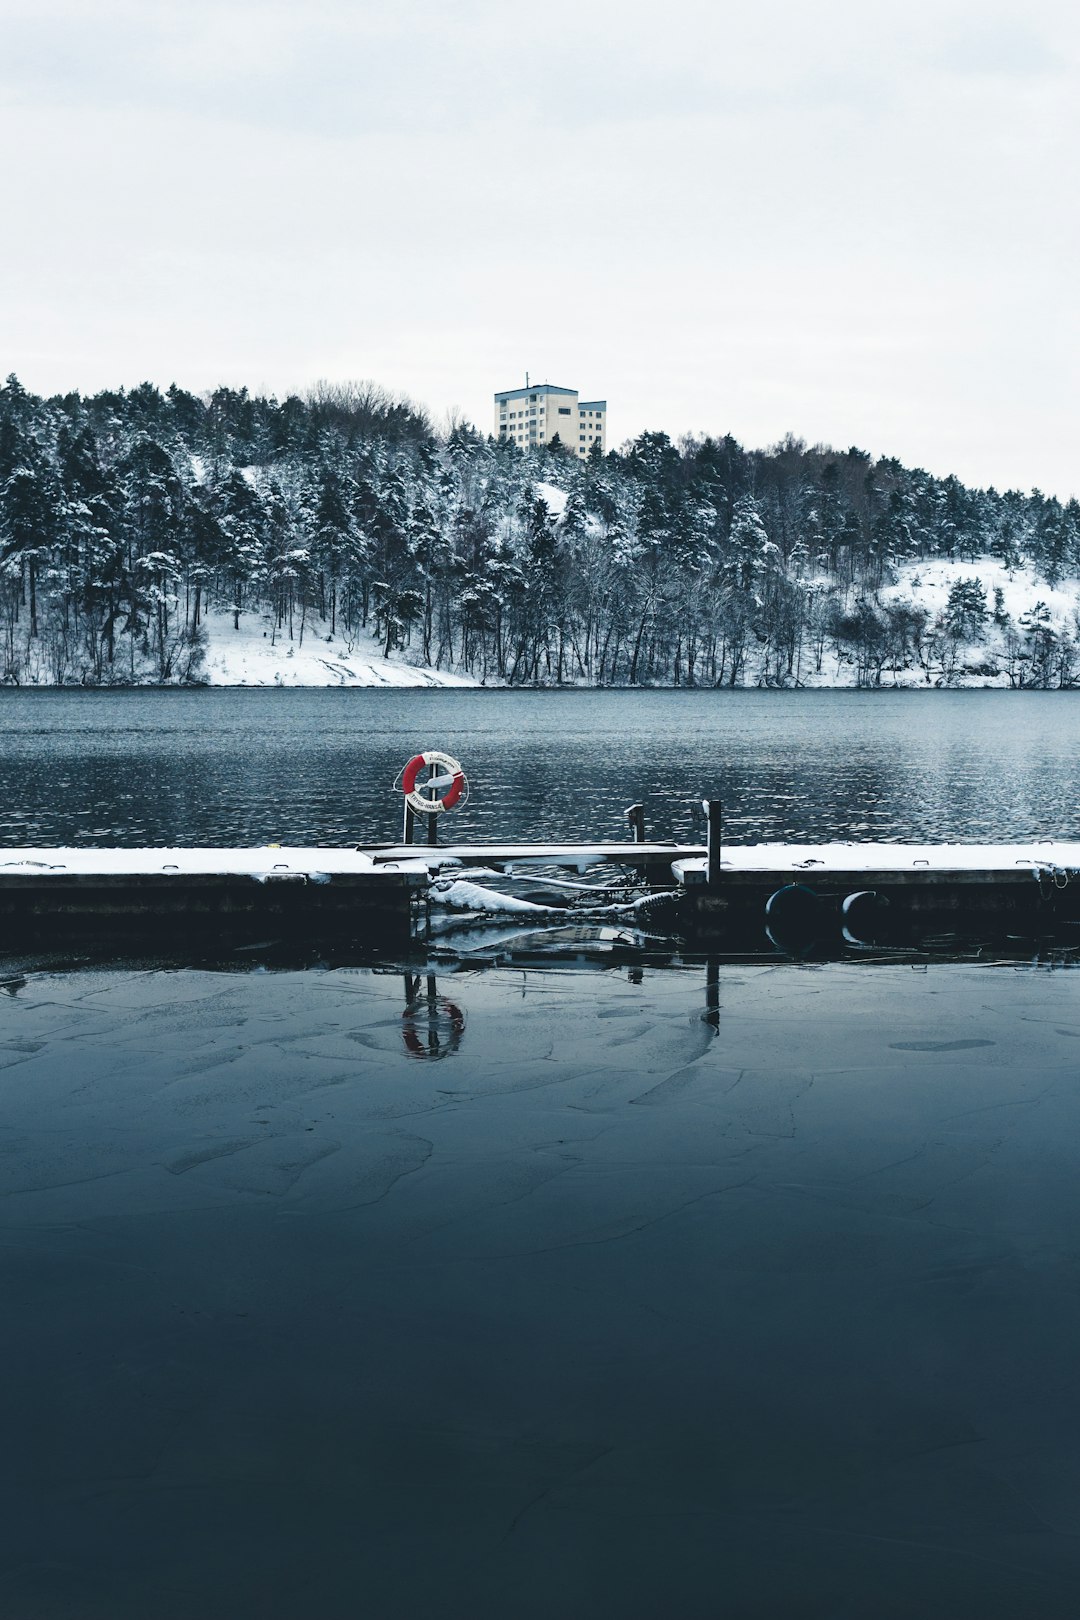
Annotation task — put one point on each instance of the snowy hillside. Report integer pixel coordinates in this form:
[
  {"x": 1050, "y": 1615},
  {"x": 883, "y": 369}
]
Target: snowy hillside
[
  {"x": 939, "y": 623},
  {"x": 255, "y": 656},
  {"x": 956, "y": 624},
  {"x": 982, "y": 624}
]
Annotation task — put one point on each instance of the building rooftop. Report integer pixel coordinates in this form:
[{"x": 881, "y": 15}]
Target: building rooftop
[{"x": 533, "y": 388}]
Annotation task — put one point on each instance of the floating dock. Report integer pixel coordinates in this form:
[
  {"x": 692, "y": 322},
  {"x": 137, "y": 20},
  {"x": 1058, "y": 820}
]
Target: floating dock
[
  {"x": 876, "y": 890},
  {"x": 378, "y": 895},
  {"x": 167, "y": 892}
]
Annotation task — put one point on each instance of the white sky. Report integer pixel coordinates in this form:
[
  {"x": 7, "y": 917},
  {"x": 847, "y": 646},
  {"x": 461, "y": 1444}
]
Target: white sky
[{"x": 854, "y": 222}]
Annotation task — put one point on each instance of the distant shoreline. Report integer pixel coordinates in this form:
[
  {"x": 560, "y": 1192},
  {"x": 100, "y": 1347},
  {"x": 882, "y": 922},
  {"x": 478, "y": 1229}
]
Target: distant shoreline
[{"x": 465, "y": 689}]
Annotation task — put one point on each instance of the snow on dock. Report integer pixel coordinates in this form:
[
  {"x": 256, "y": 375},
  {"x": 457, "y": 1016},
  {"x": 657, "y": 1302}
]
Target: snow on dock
[
  {"x": 688, "y": 862},
  {"x": 264, "y": 864},
  {"x": 799, "y": 862}
]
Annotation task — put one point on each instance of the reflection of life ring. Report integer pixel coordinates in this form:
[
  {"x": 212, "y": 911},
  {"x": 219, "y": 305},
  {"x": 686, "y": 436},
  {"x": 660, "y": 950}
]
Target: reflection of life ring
[
  {"x": 432, "y": 1029},
  {"x": 453, "y": 781}
]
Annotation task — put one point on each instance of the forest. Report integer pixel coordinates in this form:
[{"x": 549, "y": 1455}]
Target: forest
[{"x": 131, "y": 520}]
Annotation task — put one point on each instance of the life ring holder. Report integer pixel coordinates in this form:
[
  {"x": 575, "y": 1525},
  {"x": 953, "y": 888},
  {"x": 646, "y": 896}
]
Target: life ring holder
[{"x": 453, "y": 780}]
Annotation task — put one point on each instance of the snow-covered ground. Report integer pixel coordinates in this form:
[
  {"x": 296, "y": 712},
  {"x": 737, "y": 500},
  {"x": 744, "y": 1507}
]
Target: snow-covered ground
[
  {"x": 997, "y": 655},
  {"x": 255, "y": 656},
  {"x": 929, "y": 584},
  {"x": 555, "y": 498}
]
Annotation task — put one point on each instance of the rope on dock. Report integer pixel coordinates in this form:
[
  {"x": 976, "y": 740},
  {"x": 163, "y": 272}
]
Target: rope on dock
[{"x": 1050, "y": 878}]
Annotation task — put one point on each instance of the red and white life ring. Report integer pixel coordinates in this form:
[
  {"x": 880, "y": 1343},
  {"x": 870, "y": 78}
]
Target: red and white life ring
[{"x": 453, "y": 780}]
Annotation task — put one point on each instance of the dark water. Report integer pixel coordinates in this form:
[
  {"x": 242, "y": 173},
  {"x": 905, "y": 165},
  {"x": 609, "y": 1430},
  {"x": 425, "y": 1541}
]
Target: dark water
[
  {"x": 610, "y": 1312},
  {"x": 318, "y": 766},
  {"x": 740, "y": 1291}
]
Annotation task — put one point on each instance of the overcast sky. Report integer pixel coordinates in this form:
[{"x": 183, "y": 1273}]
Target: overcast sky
[{"x": 852, "y": 222}]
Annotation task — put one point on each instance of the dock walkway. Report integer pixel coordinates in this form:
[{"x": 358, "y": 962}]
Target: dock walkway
[{"x": 377, "y": 893}]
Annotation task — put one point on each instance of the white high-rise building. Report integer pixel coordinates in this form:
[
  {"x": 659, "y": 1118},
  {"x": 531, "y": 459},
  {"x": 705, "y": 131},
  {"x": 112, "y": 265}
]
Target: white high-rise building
[{"x": 535, "y": 414}]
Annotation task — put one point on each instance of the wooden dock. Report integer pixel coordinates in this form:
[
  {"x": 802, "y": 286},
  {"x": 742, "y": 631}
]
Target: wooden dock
[
  {"x": 377, "y": 895},
  {"x": 167, "y": 893},
  {"x": 875, "y": 889}
]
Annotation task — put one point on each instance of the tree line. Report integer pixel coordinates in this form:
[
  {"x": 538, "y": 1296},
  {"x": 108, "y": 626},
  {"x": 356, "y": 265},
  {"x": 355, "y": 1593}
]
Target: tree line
[{"x": 128, "y": 516}]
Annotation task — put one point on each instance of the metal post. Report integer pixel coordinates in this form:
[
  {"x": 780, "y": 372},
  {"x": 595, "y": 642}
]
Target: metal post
[
  {"x": 433, "y": 815},
  {"x": 407, "y": 827},
  {"x": 713, "y": 810},
  {"x": 635, "y": 815}
]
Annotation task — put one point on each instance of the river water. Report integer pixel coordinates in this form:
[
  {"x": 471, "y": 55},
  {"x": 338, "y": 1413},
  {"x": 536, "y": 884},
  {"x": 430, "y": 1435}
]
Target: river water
[
  {"x": 709, "y": 1290},
  {"x": 250, "y": 767}
]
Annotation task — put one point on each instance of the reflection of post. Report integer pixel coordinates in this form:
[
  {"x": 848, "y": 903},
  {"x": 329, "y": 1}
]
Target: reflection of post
[
  {"x": 431, "y": 1026},
  {"x": 711, "y": 1015},
  {"x": 434, "y": 1045}
]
